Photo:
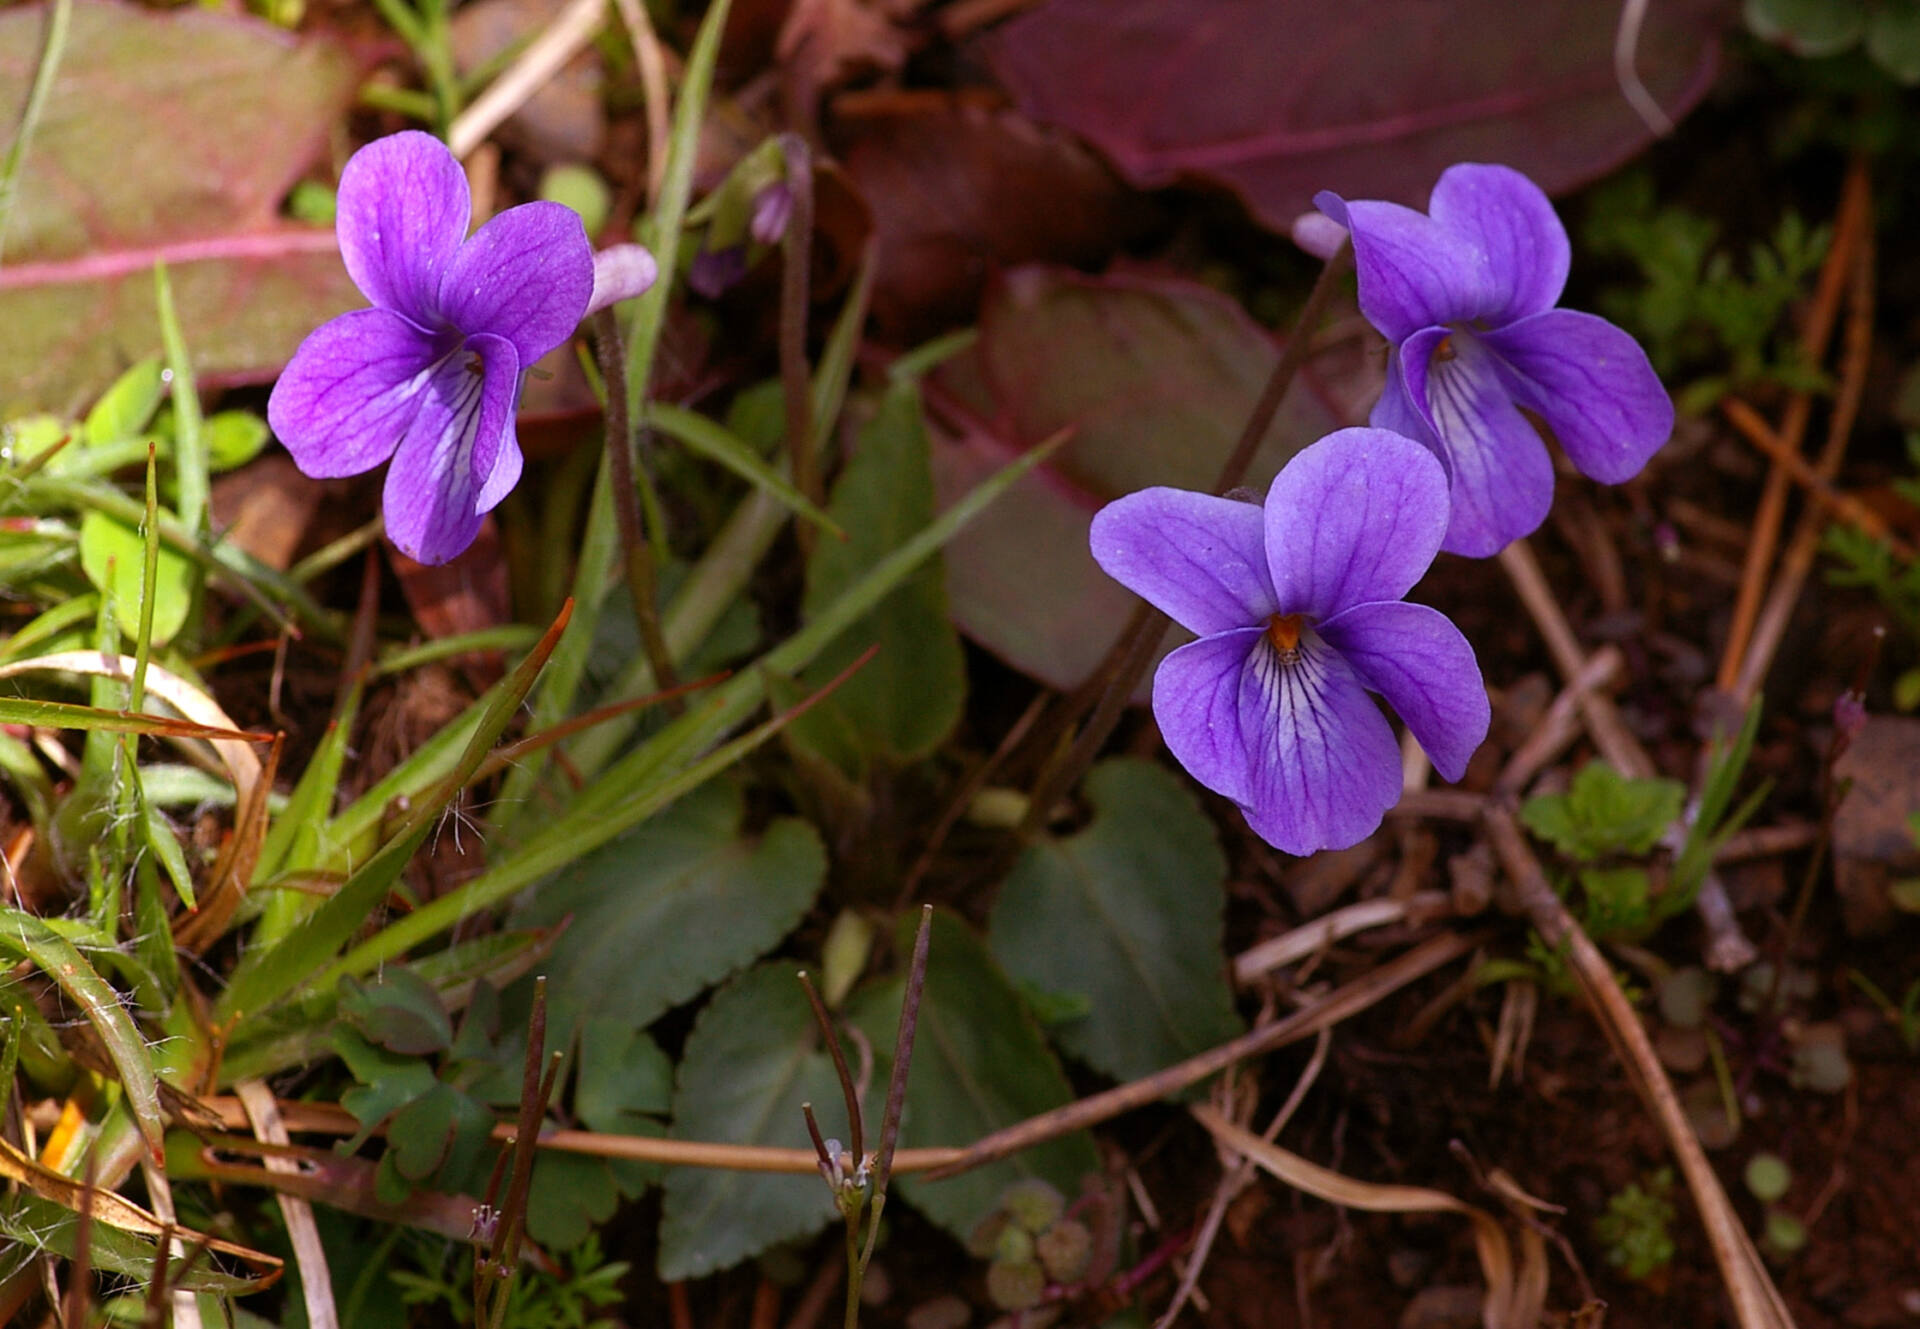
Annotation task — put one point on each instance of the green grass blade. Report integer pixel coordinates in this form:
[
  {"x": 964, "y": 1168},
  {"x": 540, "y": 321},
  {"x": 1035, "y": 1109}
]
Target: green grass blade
[
  {"x": 716, "y": 443},
  {"x": 59, "y": 18},
  {"x": 30, "y": 939},
  {"x": 672, "y": 762},
  {"x": 292, "y": 842},
  {"x": 270, "y": 974},
  {"x": 191, "y": 469}
]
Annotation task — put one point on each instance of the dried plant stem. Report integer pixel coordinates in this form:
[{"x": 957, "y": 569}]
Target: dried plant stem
[
  {"x": 1561, "y": 724},
  {"x": 622, "y": 442},
  {"x": 1841, "y": 506},
  {"x": 1771, "y": 624},
  {"x": 1851, "y": 225},
  {"x": 1310, "y": 938},
  {"x": 1728, "y": 948},
  {"x": 1236, "y": 1181},
  {"x": 316, "y": 1283},
  {"x": 796, "y": 380},
  {"x": 652, "y": 64},
  {"x": 1338, "y": 1005},
  {"x": 572, "y": 28},
  {"x": 1757, "y": 1304},
  {"x": 1620, "y": 748},
  {"x": 1117, "y": 675}
]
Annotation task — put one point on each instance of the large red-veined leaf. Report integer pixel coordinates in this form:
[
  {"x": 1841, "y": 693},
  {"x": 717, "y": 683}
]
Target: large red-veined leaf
[
  {"x": 1156, "y": 377},
  {"x": 169, "y": 135},
  {"x": 1277, "y": 99}
]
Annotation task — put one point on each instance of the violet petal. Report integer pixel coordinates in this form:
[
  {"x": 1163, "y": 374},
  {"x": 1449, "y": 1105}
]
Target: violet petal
[
  {"x": 352, "y": 388},
  {"x": 403, "y": 208},
  {"x": 1419, "y": 661},
  {"x": 1413, "y": 272},
  {"x": 1196, "y": 558},
  {"x": 1357, "y": 516},
  {"x": 434, "y": 486},
  {"x": 1197, "y": 704},
  {"x": 526, "y": 275},
  {"x": 1501, "y": 480},
  {"x": 1593, "y": 385},
  {"x": 1326, "y": 767},
  {"x": 1508, "y": 218}
]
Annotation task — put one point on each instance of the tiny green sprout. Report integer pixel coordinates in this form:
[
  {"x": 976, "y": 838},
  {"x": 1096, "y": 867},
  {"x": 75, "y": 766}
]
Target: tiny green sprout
[
  {"x": 1768, "y": 1177},
  {"x": 1636, "y": 1227}
]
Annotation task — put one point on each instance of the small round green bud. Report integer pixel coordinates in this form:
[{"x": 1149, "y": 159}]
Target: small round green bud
[
  {"x": 1768, "y": 1177},
  {"x": 1015, "y": 1285},
  {"x": 1033, "y": 1204},
  {"x": 1015, "y": 1244},
  {"x": 580, "y": 188}
]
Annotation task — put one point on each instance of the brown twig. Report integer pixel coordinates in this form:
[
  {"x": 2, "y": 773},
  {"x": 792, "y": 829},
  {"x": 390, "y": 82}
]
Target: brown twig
[
  {"x": 1338, "y": 1005},
  {"x": 1771, "y": 624},
  {"x": 1851, "y": 224},
  {"x": 1841, "y": 506},
  {"x": 1756, "y": 1302}
]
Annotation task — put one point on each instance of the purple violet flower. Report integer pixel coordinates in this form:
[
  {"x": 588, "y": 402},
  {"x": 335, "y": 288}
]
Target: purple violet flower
[
  {"x": 1465, "y": 296},
  {"x": 431, "y": 374},
  {"x": 1299, "y": 613}
]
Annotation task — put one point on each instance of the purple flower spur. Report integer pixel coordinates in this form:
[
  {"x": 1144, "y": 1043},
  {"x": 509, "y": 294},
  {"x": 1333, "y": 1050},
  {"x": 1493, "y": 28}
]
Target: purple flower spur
[
  {"x": 1465, "y": 296},
  {"x": 1298, "y": 608},
  {"x": 430, "y": 376}
]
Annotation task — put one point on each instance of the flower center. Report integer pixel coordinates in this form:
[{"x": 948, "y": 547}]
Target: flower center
[
  {"x": 474, "y": 367},
  {"x": 1283, "y": 632},
  {"x": 1444, "y": 351}
]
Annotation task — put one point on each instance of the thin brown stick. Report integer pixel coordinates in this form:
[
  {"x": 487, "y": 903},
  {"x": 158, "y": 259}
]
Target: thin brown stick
[
  {"x": 1756, "y": 1302},
  {"x": 1851, "y": 223},
  {"x": 1842, "y": 506},
  {"x": 1560, "y": 725},
  {"x": 651, "y": 62},
  {"x": 1771, "y": 626},
  {"x": 1621, "y": 749},
  {"x": 1336, "y": 1006},
  {"x": 316, "y": 1283}
]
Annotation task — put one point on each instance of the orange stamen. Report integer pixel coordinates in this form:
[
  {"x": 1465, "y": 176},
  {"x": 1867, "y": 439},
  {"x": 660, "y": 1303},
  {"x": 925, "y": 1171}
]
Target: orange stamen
[
  {"x": 1283, "y": 630},
  {"x": 1444, "y": 351}
]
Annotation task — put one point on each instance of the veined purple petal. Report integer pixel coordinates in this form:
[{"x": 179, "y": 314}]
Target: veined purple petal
[
  {"x": 1196, "y": 558},
  {"x": 1592, "y": 384},
  {"x": 347, "y": 396},
  {"x": 526, "y": 275},
  {"x": 1417, "y": 659},
  {"x": 402, "y": 212},
  {"x": 1356, "y": 517},
  {"x": 1197, "y": 703},
  {"x": 1501, "y": 481},
  {"x": 1299, "y": 745},
  {"x": 1395, "y": 412},
  {"x": 435, "y": 484},
  {"x": 1508, "y": 218},
  {"x": 1326, "y": 768},
  {"x": 1413, "y": 272}
]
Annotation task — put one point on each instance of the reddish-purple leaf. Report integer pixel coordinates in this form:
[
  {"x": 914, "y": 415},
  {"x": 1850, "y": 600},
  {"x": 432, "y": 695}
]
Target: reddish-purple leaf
[
  {"x": 168, "y": 135},
  {"x": 1278, "y": 99},
  {"x": 1156, "y": 377}
]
